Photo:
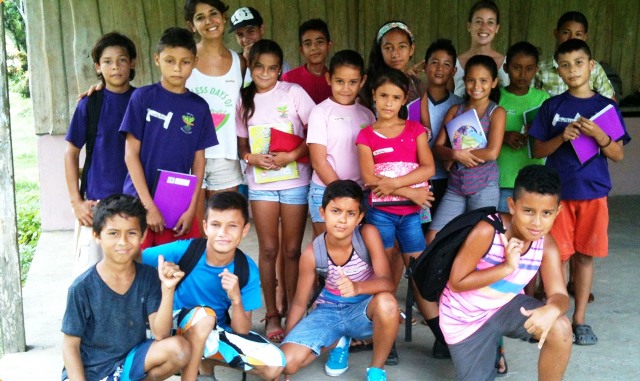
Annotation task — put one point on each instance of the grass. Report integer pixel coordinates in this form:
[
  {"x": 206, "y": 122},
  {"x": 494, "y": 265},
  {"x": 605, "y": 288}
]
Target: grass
[{"x": 25, "y": 163}]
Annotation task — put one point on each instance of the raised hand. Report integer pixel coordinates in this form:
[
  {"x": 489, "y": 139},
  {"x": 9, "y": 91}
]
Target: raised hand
[
  {"x": 345, "y": 285},
  {"x": 169, "y": 273},
  {"x": 230, "y": 284}
]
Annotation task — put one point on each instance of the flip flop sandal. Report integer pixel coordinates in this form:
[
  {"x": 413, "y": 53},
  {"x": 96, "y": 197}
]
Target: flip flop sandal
[
  {"x": 583, "y": 335},
  {"x": 500, "y": 356}
]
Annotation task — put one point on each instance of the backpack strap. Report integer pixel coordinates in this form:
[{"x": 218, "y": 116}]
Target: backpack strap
[
  {"x": 94, "y": 106},
  {"x": 241, "y": 268},
  {"x": 195, "y": 251}
]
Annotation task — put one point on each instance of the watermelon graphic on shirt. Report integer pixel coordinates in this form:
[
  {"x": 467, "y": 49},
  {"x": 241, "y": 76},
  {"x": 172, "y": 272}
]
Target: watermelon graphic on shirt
[{"x": 219, "y": 120}]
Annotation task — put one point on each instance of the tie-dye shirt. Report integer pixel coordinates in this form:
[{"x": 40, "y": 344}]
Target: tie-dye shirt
[{"x": 463, "y": 313}]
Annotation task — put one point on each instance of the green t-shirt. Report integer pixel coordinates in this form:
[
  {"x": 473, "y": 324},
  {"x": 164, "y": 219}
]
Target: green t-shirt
[{"x": 510, "y": 161}]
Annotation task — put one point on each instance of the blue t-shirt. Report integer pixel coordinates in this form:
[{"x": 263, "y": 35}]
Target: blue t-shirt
[
  {"x": 586, "y": 181},
  {"x": 170, "y": 127},
  {"x": 202, "y": 287},
  {"x": 108, "y": 324},
  {"x": 108, "y": 169}
]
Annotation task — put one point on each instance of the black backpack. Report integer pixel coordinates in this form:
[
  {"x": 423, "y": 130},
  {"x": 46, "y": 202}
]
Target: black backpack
[
  {"x": 94, "y": 105},
  {"x": 431, "y": 270},
  {"x": 196, "y": 250}
]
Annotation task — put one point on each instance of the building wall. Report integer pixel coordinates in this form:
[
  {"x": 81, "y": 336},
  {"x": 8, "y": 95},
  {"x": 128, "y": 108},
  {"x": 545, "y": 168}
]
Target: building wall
[{"x": 61, "y": 33}]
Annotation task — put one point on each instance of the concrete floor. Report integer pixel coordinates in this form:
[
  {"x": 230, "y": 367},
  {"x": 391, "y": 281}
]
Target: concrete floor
[{"x": 614, "y": 317}]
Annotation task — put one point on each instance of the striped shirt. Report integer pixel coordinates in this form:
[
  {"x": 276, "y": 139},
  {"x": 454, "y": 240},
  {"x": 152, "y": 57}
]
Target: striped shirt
[
  {"x": 355, "y": 269},
  {"x": 465, "y": 181},
  {"x": 463, "y": 313}
]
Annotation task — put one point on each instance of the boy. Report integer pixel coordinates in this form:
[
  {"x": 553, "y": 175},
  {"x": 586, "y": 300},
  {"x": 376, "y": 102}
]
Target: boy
[
  {"x": 109, "y": 305},
  {"x": 482, "y": 300},
  {"x": 315, "y": 44},
  {"x": 114, "y": 57},
  {"x": 212, "y": 290},
  {"x": 167, "y": 127},
  {"x": 518, "y": 97},
  {"x": 440, "y": 67},
  {"x": 356, "y": 300},
  {"x": 585, "y": 186},
  {"x": 248, "y": 26},
  {"x": 570, "y": 25}
]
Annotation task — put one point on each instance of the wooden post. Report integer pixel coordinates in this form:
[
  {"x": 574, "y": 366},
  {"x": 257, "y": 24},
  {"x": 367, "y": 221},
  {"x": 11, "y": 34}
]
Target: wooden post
[{"x": 12, "y": 337}]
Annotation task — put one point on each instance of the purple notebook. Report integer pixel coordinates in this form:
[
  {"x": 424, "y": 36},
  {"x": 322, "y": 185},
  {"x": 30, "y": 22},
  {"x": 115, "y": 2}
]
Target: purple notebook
[
  {"x": 172, "y": 195},
  {"x": 585, "y": 146}
]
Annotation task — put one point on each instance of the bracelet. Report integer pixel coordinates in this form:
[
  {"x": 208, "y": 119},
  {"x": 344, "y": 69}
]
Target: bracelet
[
  {"x": 608, "y": 143},
  {"x": 246, "y": 157}
]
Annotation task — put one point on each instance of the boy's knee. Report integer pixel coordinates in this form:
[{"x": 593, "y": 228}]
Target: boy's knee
[
  {"x": 267, "y": 372},
  {"x": 182, "y": 351},
  {"x": 386, "y": 305},
  {"x": 202, "y": 324},
  {"x": 582, "y": 260},
  {"x": 292, "y": 358},
  {"x": 561, "y": 332}
]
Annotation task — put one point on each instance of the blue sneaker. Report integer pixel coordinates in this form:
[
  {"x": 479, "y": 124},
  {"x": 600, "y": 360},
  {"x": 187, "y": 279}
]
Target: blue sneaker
[
  {"x": 338, "y": 362},
  {"x": 376, "y": 374}
]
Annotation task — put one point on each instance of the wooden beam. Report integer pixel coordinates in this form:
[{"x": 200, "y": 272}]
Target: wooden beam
[{"x": 12, "y": 336}]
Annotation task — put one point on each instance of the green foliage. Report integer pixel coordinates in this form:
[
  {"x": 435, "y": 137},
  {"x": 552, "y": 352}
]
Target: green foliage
[
  {"x": 28, "y": 208},
  {"x": 14, "y": 23},
  {"x": 18, "y": 73}
]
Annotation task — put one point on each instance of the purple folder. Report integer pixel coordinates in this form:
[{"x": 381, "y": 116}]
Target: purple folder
[
  {"x": 414, "y": 110},
  {"x": 608, "y": 120},
  {"x": 173, "y": 194}
]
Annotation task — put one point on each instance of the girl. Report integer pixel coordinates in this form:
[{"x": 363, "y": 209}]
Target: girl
[
  {"x": 473, "y": 177},
  {"x": 396, "y": 142},
  {"x": 217, "y": 77},
  {"x": 334, "y": 125},
  {"x": 392, "y": 48},
  {"x": 483, "y": 25},
  {"x": 280, "y": 203}
]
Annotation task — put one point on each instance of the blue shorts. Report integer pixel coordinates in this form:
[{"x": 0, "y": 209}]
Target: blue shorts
[
  {"x": 406, "y": 229},
  {"x": 503, "y": 205},
  {"x": 315, "y": 201},
  {"x": 329, "y": 322},
  {"x": 293, "y": 196}
]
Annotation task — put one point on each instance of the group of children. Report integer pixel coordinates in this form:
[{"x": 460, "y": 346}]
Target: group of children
[{"x": 356, "y": 151}]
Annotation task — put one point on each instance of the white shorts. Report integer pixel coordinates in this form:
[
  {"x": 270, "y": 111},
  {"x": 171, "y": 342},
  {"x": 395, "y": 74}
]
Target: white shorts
[
  {"x": 221, "y": 174},
  {"x": 87, "y": 250}
]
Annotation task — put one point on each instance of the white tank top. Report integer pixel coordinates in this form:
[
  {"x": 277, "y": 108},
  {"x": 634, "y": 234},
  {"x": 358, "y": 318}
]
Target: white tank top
[{"x": 221, "y": 93}]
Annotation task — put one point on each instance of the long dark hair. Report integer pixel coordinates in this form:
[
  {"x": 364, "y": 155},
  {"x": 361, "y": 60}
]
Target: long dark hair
[
  {"x": 396, "y": 78},
  {"x": 248, "y": 93},
  {"x": 489, "y": 64},
  {"x": 376, "y": 63}
]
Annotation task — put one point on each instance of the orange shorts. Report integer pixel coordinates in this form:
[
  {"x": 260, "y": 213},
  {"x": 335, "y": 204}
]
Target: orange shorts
[
  {"x": 154, "y": 239},
  {"x": 581, "y": 226}
]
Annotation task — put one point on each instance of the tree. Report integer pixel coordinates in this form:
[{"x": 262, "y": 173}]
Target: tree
[{"x": 14, "y": 23}]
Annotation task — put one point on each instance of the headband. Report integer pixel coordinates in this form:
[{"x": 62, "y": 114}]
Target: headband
[{"x": 392, "y": 25}]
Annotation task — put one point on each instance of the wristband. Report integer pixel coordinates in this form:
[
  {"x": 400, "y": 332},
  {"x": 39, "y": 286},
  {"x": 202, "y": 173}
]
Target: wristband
[
  {"x": 608, "y": 143},
  {"x": 246, "y": 157}
]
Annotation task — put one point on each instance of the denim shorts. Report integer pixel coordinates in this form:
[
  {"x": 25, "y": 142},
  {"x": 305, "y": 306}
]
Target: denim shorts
[
  {"x": 294, "y": 196},
  {"x": 329, "y": 322},
  {"x": 315, "y": 201},
  {"x": 405, "y": 229},
  {"x": 503, "y": 205}
]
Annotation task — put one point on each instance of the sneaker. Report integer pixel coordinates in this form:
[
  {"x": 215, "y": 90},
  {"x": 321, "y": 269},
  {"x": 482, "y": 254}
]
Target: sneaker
[
  {"x": 440, "y": 350},
  {"x": 392, "y": 359},
  {"x": 376, "y": 374},
  {"x": 338, "y": 361}
]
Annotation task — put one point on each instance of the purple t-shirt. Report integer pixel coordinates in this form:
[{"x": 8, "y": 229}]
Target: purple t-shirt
[
  {"x": 579, "y": 182},
  {"x": 108, "y": 170},
  {"x": 170, "y": 127}
]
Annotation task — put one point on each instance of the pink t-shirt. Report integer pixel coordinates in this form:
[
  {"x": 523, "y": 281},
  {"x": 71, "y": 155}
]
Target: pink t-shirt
[
  {"x": 315, "y": 85},
  {"x": 337, "y": 126},
  {"x": 286, "y": 102},
  {"x": 402, "y": 148},
  {"x": 463, "y": 313}
]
